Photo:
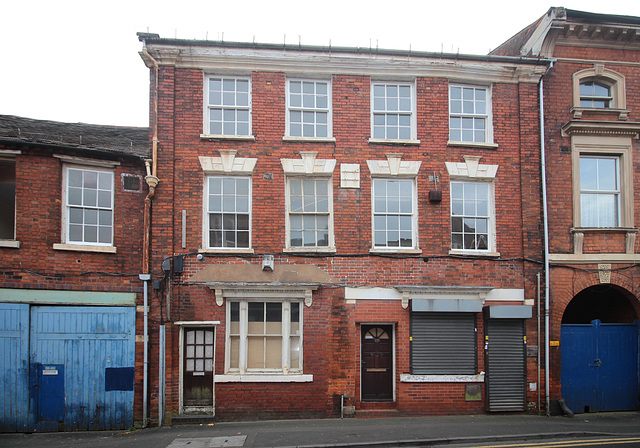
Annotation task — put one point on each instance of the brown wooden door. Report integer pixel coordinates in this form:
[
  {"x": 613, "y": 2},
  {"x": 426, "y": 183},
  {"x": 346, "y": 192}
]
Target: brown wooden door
[
  {"x": 377, "y": 371},
  {"x": 198, "y": 367}
]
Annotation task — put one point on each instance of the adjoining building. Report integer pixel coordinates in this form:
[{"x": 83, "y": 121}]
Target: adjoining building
[
  {"x": 71, "y": 248},
  {"x": 592, "y": 121}
]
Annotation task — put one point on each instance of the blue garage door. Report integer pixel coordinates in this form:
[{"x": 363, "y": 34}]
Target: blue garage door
[
  {"x": 66, "y": 368},
  {"x": 600, "y": 367},
  {"x": 14, "y": 367},
  {"x": 82, "y": 364}
]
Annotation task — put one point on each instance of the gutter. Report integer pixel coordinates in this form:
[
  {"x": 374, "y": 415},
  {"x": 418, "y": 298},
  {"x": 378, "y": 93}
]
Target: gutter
[{"x": 154, "y": 39}]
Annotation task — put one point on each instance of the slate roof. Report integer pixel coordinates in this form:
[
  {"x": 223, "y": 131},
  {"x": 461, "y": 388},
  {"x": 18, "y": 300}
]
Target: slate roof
[
  {"x": 118, "y": 140},
  {"x": 607, "y": 27},
  {"x": 512, "y": 46}
]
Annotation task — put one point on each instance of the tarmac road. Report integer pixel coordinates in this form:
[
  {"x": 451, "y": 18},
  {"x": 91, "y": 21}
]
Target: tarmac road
[{"x": 349, "y": 433}]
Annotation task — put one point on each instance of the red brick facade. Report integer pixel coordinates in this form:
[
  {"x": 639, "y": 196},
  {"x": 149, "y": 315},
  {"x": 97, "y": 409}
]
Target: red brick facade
[
  {"x": 40, "y": 268},
  {"x": 593, "y": 270},
  {"x": 332, "y": 323}
]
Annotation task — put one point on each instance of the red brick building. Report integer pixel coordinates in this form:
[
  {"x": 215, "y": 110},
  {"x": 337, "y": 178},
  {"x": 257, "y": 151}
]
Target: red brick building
[
  {"x": 592, "y": 121},
  {"x": 342, "y": 230},
  {"x": 72, "y": 201}
]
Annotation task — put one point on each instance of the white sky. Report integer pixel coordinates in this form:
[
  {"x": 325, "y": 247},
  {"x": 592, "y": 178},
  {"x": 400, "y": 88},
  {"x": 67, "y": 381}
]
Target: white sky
[{"x": 77, "y": 61}]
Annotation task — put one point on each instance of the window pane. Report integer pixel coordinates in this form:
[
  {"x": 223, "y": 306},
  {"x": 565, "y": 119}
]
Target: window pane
[
  {"x": 256, "y": 312},
  {"x": 470, "y": 215},
  {"x": 234, "y": 352},
  {"x": 255, "y": 352},
  {"x": 104, "y": 235},
  {"x": 607, "y": 178},
  {"x": 588, "y": 173},
  {"x": 90, "y": 234},
  {"x": 273, "y": 353}
]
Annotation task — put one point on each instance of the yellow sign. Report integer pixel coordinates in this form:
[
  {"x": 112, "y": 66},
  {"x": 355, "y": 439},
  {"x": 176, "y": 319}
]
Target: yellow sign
[{"x": 554, "y": 343}]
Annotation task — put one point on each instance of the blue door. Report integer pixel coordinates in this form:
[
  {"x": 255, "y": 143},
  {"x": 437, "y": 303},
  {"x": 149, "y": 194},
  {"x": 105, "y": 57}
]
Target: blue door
[
  {"x": 88, "y": 355},
  {"x": 14, "y": 367},
  {"x": 600, "y": 367}
]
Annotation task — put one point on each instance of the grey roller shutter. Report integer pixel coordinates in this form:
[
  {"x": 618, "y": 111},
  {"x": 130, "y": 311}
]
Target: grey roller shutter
[
  {"x": 506, "y": 368},
  {"x": 443, "y": 343}
]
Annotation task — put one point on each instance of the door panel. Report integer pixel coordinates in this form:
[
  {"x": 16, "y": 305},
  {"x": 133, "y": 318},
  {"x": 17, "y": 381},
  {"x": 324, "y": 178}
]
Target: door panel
[
  {"x": 600, "y": 367},
  {"x": 377, "y": 363},
  {"x": 73, "y": 350},
  {"x": 198, "y": 367},
  {"x": 14, "y": 365}
]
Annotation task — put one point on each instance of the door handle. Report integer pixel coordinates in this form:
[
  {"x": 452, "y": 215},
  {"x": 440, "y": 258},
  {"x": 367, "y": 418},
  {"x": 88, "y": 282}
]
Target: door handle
[{"x": 596, "y": 363}]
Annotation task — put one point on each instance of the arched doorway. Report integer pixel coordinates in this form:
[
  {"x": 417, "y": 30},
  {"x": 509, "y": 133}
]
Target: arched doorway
[{"x": 599, "y": 342}]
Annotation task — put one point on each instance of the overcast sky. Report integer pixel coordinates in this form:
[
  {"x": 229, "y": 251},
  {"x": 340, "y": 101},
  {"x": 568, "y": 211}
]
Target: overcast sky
[{"x": 77, "y": 61}]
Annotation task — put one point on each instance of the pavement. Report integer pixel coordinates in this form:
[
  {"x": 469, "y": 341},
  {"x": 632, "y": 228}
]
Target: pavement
[{"x": 347, "y": 433}]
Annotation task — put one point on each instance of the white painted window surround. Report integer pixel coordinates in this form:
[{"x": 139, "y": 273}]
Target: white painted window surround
[
  {"x": 235, "y": 172},
  {"x": 393, "y": 112},
  {"x": 309, "y": 109},
  {"x": 394, "y": 204},
  {"x": 470, "y": 118},
  {"x": 227, "y": 106},
  {"x": 309, "y": 203},
  {"x": 470, "y": 175}
]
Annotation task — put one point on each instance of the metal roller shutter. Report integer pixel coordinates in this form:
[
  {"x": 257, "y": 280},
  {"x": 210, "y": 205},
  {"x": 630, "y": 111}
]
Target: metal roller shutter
[
  {"x": 506, "y": 367},
  {"x": 443, "y": 343}
]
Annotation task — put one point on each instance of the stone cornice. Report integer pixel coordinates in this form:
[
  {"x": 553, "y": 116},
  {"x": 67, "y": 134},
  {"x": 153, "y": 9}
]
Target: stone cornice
[
  {"x": 602, "y": 128},
  {"x": 379, "y": 66}
]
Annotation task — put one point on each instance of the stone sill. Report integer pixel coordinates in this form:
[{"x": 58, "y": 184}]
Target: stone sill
[
  {"x": 12, "y": 244},
  {"x": 86, "y": 248},
  {"x": 212, "y": 137},
  {"x": 392, "y": 251},
  {"x": 387, "y": 141},
  {"x": 287, "y": 138},
  {"x": 474, "y": 253},
  {"x": 604, "y": 229},
  {"x": 473, "y": 144},
  {"x": 262, "y": 378},
  {"x": 227, "y": 251},
  {"x": 309, "y": 250},
  {"x": 408, "y": 378}
]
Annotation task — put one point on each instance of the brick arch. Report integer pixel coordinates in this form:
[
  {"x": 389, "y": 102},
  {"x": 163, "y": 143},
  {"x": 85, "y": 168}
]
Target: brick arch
[{"x": 568, "y": 283}]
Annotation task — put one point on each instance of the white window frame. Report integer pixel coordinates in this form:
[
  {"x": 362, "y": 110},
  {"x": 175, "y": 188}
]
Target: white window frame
[
  {"x": 329, "y": 214},
  {"x": 487, "y": 115},
  {"x": 413, "y": 216},
  {"x": 490, "y": 216},
  {"x": 286, "y": 368},
  {"x": 386, "y": 112},
  {"x": 66, "y": 207},
  {"x": 606, "y": 99},
  {"x": 471, "y": 170},
  {"x": 291, "y": 107},
  {"x": 11, "y": 242},
  {"x": 208, "y": 212},
  {"x": 600, "y": 191},
  {"x": 208, "y": 107}
]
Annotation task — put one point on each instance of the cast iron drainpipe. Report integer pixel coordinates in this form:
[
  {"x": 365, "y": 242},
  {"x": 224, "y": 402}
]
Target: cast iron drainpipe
[
  {"x": 545, "y": 220},
  {"x": 152, "y": 182}
]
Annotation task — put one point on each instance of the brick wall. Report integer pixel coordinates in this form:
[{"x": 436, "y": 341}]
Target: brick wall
[
  {"x": 37, "y": 266},
  {"x": 331, "y": 327},
  {"x": 569, "y": 280}
]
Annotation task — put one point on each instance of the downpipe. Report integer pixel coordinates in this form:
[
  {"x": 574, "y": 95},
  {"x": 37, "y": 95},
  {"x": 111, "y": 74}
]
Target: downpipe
[{"x": 545, "y": 220}]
